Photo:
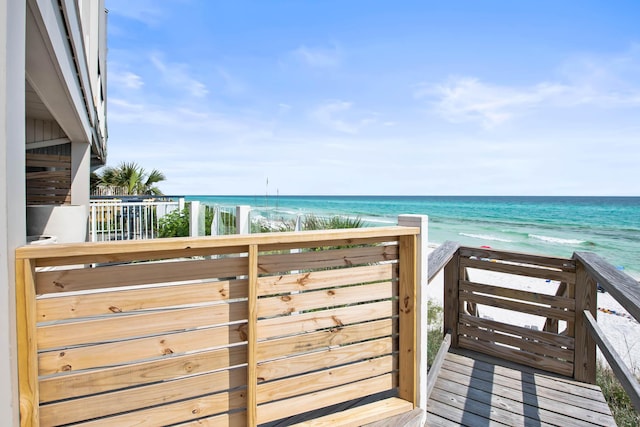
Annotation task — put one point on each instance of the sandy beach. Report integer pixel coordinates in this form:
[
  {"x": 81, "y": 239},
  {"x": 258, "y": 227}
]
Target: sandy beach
[{"x": 621, "y": 329}]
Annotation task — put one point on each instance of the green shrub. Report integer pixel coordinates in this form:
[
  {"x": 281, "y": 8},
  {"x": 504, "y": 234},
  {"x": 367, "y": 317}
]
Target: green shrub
[{"x": 174, "y": 224}]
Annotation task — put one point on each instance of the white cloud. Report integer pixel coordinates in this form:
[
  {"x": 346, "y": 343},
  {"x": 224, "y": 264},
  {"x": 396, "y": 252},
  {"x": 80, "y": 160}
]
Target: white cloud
[
  {"x": 339, "y": 116},
  {"x": 232, "y": 84},
  {"x": 468, "y": 99},
  {"x": 148, "y": 12},
  {"x": 125, "y": 79},
  {"x": 318, "y": 57},
  {"x": 600, "y": 82},
  {"x": 177, "y": 75}
]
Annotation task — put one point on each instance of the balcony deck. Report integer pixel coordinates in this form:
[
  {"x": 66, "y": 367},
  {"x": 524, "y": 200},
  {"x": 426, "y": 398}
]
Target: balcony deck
[{"x": 473, "y": 389}]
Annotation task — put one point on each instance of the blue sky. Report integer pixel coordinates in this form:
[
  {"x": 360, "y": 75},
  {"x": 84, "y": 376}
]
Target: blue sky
[{"x": 474, "y": 97}]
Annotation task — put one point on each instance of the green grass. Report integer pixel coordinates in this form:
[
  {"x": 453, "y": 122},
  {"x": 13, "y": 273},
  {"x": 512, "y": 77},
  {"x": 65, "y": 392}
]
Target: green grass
[
  {"x": 618, "y": 400},
  {"x": 434, "y": 330}
]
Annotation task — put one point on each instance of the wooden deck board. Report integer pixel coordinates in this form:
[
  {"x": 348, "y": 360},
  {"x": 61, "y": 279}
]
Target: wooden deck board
[{"x": 477, "y": 390}]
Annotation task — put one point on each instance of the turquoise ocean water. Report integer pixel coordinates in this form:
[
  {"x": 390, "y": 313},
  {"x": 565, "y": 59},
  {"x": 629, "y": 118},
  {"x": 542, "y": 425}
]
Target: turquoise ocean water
[{"x": 557, "y": 226}]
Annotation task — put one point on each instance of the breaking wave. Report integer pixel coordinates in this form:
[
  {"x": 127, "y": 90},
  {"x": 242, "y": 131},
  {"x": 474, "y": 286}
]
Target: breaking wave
[
  {"x": 486, "y": 237},
  {"x": 557, "y": 240}
]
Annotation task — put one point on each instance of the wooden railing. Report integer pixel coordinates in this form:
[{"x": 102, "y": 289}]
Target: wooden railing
[
  {"x": 566, "y": 342},
  {"x": 233, "y": 330},
  {"x": 48, "y": 179}
]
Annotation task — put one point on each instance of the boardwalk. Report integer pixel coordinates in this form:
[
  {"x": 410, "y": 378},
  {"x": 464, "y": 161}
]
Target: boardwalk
[{"x": 477, "y": 390}]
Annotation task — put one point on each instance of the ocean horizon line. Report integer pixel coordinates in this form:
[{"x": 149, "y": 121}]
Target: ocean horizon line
[{"x": 402, "y": 195}]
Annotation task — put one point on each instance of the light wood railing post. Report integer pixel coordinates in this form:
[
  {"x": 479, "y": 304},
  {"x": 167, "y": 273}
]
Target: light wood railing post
[
  {"x": 27, "y": 347},
  {"x": 585, "y": 345},
  {"x": 451, "y": 298},
  {"x": 422, "y": 301},
  {"x": 252, "y": 324},
  {"x": 407, "y": 319}
]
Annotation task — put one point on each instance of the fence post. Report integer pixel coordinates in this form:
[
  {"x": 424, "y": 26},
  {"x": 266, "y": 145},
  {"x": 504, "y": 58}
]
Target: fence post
[
  {"x": 585, "y": 346},
  {"x": 422, "y": 222},
  {"x": 451, "y": 298},
  {"x": 242, "y": 219},
  {"x": 194, "y": 219},
  {"x": 215, "y": 222},
  {"x": 93, "y": 207}
]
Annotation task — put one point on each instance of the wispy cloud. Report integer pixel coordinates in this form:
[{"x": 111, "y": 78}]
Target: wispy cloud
[
  {"x": 149, "y": 12},
  {"x": 231, "y": 83},
  {"x": 600, "y": 82},
  {"x": 125, "y": 79},
  {"x": 340, "y": 116},
  {"x": 318, "y": 56},
  {"x": 177, "y": 75},
  {"x": 468, "y": 99}
]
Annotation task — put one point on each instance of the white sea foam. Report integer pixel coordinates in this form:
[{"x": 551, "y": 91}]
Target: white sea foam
[
  {"x": 486, "y": 237},
  {"x": 557, "y": 240}
]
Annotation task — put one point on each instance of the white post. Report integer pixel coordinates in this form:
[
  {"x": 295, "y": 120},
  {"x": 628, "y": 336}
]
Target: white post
[
  {"x": 421, "y": 221},
  {"x": 12, "y": 193},
  {"x": 194, "y": 219},
  {"x": 181, "y": 204},
  {"x": 94, "y": 228},
  {"x": 215, "y": 223},
  {"x": 242, "y": 219}
]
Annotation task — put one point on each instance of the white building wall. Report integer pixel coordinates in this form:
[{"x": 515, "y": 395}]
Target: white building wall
[{"x": 12, "y": 193}]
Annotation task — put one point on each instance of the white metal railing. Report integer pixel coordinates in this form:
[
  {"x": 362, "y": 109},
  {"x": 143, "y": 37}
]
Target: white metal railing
[{"x": 117, "y": 220}]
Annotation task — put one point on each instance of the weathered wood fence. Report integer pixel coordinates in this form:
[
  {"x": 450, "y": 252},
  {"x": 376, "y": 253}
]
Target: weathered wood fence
[
  {"x": 231, "y": 330},
  {"x": 566, "y": 342}
]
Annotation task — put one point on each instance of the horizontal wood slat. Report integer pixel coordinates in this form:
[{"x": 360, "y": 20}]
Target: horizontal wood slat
[
  {"x": 136, "y": 325},
  {"x": 534, "y": 297},
  {"x": 541, "y": 336},
  {"x": 234, "y": 419},
  {"x": 320, "y": 380},
  {"x": 518, "y": 356},
  {"x": 523, "y": 342},
  {"x": 308, "y": 402},
  {"x": 51, "y": 186},
  {"x": 271, "y": 285},
  {"x": 186, "y": 410},
  {"x": 44, "y": 176},
  {"x": 76, "y": 306},
  {"x": 334, "y": 356},
  {"x": 287, "y": 304},
  {"x": 564, "y": 264},
  {"x": 536, "y": 310},
  {"x": 335, "y": 318},
  {"x": 350, "y": 257},
  {"x": 40, "y": 159},
  {"x": 43, "y": 184},
  {"x": 131, "y": 351},
  {"x": 301, "y": 343},
  {"x": 362, "y": 415},
  {"x": 141, "y": 397},
  {"x": 138, "y": 274},
  {"x": 520, "y": 270},
  {"x": 85, "y": 253},
  {"x": 119, "y": 377}
]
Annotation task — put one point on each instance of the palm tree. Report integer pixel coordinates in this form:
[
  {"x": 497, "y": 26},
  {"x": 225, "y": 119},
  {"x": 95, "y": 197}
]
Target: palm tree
[{"x": 132, "y": 178}]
